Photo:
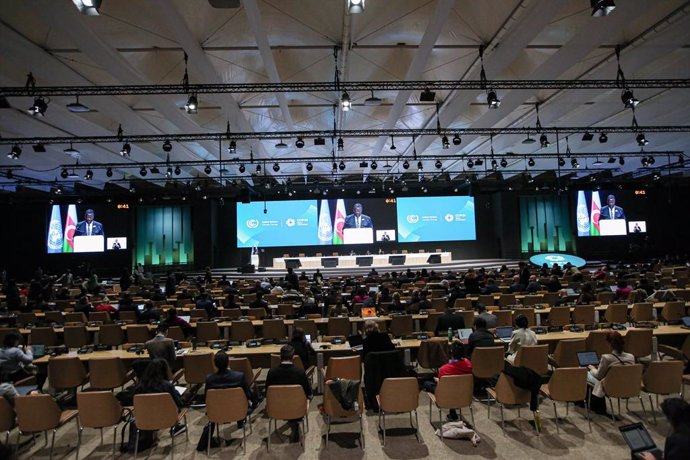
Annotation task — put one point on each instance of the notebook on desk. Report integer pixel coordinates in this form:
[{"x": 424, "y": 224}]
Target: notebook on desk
[{"x": 638, "y": 439}]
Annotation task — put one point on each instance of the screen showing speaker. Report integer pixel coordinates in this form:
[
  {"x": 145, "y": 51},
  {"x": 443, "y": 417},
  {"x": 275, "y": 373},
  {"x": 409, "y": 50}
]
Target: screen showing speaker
[
  {"x": 345, "y": 221},
  {"x": 611, "y": 212},
  {"x": 78, "y": 228}
]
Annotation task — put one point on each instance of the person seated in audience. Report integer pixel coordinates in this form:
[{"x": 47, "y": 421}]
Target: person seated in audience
[
  {"x": 480, "y": 337},
  {"x": 372, "y": 299},
  {"x": 291, "y": 294},
  {"x": 150, "y": 313},
  {"x": 637, "y": 296},
  {"x": 183, "y": 295},
  {"x": 302, "y": 348},
  {"x": 289, "y": 374},
  {"x": 16, "y": 361},
  {"x": 554, "y": 284},
  {"x": 223, "y": 281},
  {"x": 424, "y": 303},
  {"x": 259, "y": 302},
  {"x": 317, "y": 276},
  {"x": 173, "y": 320},
  {"x": 91, "y": 284},
  {"x": 544, "y": 270},
  {"x": 617, "y": 357},
  {"x": 67, "y": 279},
  {"x": 40, "y": 304},
  {"x": 374, "y": 339},
  {"x": 157, "y": 294},
  {"x": 84, "y": 306},
  {"x": 162, "y": 347},
  {"x": 622, "y": 292},
  {"x": 491, "y": 287},
  {"x": 309, "y": 304},
  {"x": 384, "y": 295},
  {"x": 360, "y": 296},
  {"x": 396, "y": 304},
  {"x": 156, "y": 379},
  {"x": 457, "y": 365},
  {"x": 105, "y": 306},
  {"x": 411, "y": 304},
  {"x": 516, "y": 286},
  {"x": 533, "y": 286},
  {"x": 449, "y": 320},
  {"x": 677, "y": 445},
  {"x": 277, "y": 290},
  {"x": 8, "y": 392},
  {"x": 490, "y": 319},
  {"x": 230, "y": 302},
  {"x": 204, "y": 302},
  {"x": 522, "y": 336},
  {"x": 556, "y": 270},
  {"x": 587, "y": 295},
  {"x": 471, "y": 282},
  {"x": 339, "y": 309},
  {"x": 303, "y": 276}
]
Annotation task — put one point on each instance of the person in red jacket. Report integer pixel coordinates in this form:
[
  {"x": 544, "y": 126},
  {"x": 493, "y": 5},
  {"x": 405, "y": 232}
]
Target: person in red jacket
[{"x": 458, "y": 365}]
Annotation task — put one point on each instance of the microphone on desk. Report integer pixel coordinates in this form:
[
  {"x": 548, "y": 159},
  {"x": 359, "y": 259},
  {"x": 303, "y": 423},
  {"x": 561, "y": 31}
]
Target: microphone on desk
[{"x": 193, "y": 343}]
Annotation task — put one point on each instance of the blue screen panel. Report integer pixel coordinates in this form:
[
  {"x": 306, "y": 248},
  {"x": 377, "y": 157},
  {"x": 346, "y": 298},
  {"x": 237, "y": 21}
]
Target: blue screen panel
[
  {"x": 443, "y": 218},
  {"x": 285, "y": 223}
]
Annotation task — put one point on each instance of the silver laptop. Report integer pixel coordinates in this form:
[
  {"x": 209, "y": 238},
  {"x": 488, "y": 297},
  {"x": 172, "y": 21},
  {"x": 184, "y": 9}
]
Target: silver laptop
[
  {"x": 504, "y": 333},
  {"x": 464, "y": 333},
  {"x": 185, "y": 318}
]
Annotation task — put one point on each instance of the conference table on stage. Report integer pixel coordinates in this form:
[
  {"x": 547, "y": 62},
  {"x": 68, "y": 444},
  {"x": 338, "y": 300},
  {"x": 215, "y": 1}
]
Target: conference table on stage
[{"x": 378, "y": 260}]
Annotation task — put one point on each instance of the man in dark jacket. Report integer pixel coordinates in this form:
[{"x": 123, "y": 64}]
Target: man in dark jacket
[
  {"x": 289, "y": 374},
  {"x": 449, "y": 320},
  {"x": 227, "y": 378},
  {"x": 481, "y": 337}
]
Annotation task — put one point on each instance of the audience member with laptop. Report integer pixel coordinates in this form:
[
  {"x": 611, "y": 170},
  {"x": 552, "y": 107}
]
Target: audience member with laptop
[
  {"x": 677, "y": 445},
  {"x": 457, "y": 365},
  {"x": 521, "y": 336},
  {"x": 374, "y": 339},
  {"x": 597, "y": 374},
  {"x": 16, "y": 361}
]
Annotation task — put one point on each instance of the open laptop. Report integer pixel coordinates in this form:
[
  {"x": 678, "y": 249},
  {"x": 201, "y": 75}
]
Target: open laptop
[
  {"x": 38, "y": 350},
  {"x": 141, "y": 307},
  {"x": 504, "y": 333},
  {"x": 356, "y": 342},
  {"x": 587, "y": 358},
  {"x": 368, "y": 312},
  {"x": 464, "y": 334},
  {"x": 638, "y": 439},
  {"x": 685, "y": 322},
  {"x": 186, "y": 318}
]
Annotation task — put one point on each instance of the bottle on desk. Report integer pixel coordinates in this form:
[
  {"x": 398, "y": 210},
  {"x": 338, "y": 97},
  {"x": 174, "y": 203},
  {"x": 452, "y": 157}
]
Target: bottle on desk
[{"x": 450, "y": 334}]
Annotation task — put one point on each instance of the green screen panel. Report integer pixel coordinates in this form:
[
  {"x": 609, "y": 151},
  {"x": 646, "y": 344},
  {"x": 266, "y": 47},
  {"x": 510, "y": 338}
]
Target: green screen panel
[
  {"x": 545, "y": 224},
  {"x": 164, "y": 235}
]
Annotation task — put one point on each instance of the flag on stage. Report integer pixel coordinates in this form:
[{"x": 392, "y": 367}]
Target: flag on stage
[
  {"x": 582, "y": 215},
  {"x": 70, "y": 224},
  {"x": 325, "y": 227},
  {"x": 55, "y": 231},
  {"x": 339, "y": 222},
  {"x": 594, "y": 229}
]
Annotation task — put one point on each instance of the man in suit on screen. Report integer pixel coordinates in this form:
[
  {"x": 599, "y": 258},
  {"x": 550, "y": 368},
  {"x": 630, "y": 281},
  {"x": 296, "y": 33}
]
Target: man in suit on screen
[
  {"x": 611, "y": 211},
  {"x": 357, "y": 219},
  {"x": 88, "y": 226}
]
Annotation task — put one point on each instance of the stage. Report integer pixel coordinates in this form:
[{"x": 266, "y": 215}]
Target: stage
[{"x": 368, "y": 260}]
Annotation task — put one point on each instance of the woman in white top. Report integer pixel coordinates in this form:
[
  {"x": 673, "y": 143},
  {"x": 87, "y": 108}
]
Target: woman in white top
[
  {"x": 617, "y": 357},
  {"x": 521, "y": 337}
]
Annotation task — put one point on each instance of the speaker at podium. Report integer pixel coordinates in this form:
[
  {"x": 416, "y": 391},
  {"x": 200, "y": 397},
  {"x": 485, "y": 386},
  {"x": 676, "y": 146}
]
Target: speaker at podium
[{"x": 358, "y": 235}]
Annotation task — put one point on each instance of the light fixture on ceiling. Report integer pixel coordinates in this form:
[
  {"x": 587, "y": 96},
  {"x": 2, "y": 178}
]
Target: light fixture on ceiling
[
  {"x": 574, "y": 163},
  {"x": 71, "y": 151},
  {"x": 373, "y": 100},
  {"x": 309, "y": 166},
  {"x": 242, "y": 169},
  {"x": 528, "y": 140},
  {"x": 65, "y": 174},
  {"x": 374, "y": 165},
  {"x": 39, "y": 107},
  {"x": 192, "y": 105},
  {"x": 88, "y": 175},
  {"x": 393, "y": 147},
  {"x": 587, "y": 136},
  {"x": 15, "y": 152},
  {"x": 207, "y": 169},
  {"x": 232, "y": 147},
  {"x": 406, "y": 164},
  {"x": 681, "y": 160},
  {"x": 126, "y": 150},
  {"x": 457, "y": 140},
  {"x": 341, "y": 165},
  {"x": 178, "y": 170},
  {"x": 258, "y": 169},
  {"x": 169, "y": 172},
  {"x": 438, "y": 164},
  {"x": 628, "y": 99},
  {"x": 597, "y": 162},
  {"x": 39, "y": 148},
  {"x": 427, "y": 96},
  {"x": 420, "y": 165},
  {"x": 544, "y": 141},
  {"x": 492, "y": 99},
  {"x": 531, "y": 162},
  {"x": 109, "y": 172},
  {"x": 88, "y": 7},
  {"x": 602, "y": 7},
  {"x": 651, "y": 160},
  {"x": 345, "y": 101},
  {"x": 603, "y": 138},
  {"x": 470, "y": 163},
  {"x": 643, "y": 161},
  {"x": 77, "y": 107},
  {"x": 494, "y": 164},
  {"x": 143, "y": 172},
  {"x": 319, "y": 141},
  {"x": 341, "y": 144},
  {"x": 355, "y": 6},
  {"x": 611, "y": 160},
  {"x": 445, "y": 144},
  {"x": 299, "y": 143},
  {"x": 504, "y": 163},
  {"x": 167, "y": 146},
  {"x": 276, "y": 167},
  {"x": 561, "y": 162},
  {"x": 281, "y": 145},
  {"x": 335, "y": 166},
  {"x": 641, "y": 140},
  {"x": 621, "y": 160}
]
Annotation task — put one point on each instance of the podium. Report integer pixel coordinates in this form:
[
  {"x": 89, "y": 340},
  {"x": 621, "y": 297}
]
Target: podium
[
  {"x": 364, "y": 261},
  {"x": 434, "y": 259},
  {"x": 358, "y": 235},
  {"x": 397, "y": 260},
  {"x": 93, "y": 243},
  {"x": 612, "y": 227},
  {"x": 293, "y": 263},
  {"x": 329, "y": 262}
]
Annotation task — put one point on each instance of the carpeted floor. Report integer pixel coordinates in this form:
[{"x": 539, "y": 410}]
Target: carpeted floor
[{"x": 518, "y": 442}]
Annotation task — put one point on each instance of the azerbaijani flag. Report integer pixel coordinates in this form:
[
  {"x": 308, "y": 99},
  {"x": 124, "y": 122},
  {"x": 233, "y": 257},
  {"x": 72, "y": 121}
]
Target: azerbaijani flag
[
  {"x": 583, "y": 223},
  {"x": 339, "y": 222},
  {"x": 54, "y": 241},
  {"x": 594, "y": 229},
  {"x": 70, "y": 224},
  {"x": 325, "y": 229}
]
